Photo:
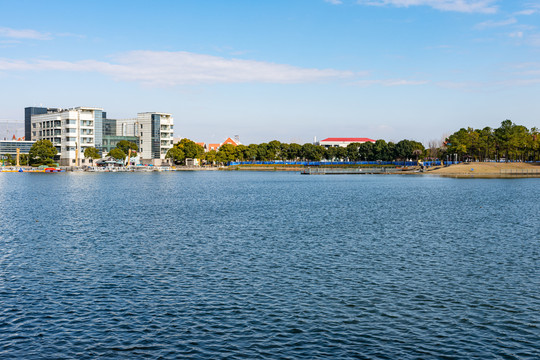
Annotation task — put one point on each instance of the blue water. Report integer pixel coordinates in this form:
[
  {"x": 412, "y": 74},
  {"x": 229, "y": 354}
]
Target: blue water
[{"x": 268, "y": 265}]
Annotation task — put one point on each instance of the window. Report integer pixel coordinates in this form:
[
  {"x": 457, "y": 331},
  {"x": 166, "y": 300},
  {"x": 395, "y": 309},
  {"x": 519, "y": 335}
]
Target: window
[
  {"x": 141, "y": 126},
  {"x": 141, "y": 150},
  {"x": 141, "y": 141},
  {"x": 141, "y": 134}
]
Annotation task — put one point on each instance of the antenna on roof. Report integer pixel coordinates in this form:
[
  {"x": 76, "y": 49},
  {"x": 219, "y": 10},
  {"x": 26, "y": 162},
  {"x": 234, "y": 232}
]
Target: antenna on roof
[{"x": 237, "y": 138}]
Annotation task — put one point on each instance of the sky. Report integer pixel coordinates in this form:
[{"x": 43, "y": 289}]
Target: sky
[{"x": 286, "y": 70}]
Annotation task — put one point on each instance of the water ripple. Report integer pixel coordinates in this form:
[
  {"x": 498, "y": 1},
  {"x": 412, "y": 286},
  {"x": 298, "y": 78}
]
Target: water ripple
[{"x": 268, "y": 265}]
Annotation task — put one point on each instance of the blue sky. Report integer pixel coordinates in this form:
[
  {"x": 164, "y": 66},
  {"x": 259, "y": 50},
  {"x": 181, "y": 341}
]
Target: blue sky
[{"x": 282, "y": 69}]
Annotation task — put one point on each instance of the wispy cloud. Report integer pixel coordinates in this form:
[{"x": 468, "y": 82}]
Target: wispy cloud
[
  {"x": 492, "y": 24},
  {"x": 526, "y": 12},
  {"x": 334, "y": 2},
  {"x": 516, "y": 34},
  {"x": 23, "y": 34},
  {"x": 466, "y": 6},
  {"x": 162, "y": 68},
  {"x": 392, "y": 82}
]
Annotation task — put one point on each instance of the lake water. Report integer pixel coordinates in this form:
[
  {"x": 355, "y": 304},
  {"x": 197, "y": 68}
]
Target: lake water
[{"x": 268, "y": 265}]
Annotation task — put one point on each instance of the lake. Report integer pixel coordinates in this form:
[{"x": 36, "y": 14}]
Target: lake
[{"x": 247, "y": 265}]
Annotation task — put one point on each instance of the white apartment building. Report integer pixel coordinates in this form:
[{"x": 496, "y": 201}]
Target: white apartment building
[
  {"x": 73, "y": 130},
  {"x": 70, "y": 130},
  {"x": 155, "y": 134}
]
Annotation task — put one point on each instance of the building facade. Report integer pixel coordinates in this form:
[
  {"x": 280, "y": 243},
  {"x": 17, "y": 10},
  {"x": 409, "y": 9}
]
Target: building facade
[
  {"x": 74, "y": 130},
  {"x": 9, "y": 147},
  {"x": 71, "y": 131},
  {"x": 343, "y": 142},
  {"x": 155, "y": 134},
  {"x": 28, "y": 112}
]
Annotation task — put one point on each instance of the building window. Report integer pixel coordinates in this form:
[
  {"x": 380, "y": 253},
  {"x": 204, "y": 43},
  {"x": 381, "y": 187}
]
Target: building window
[
  {"x": 141, "y": 126},
  {"x": 141, "y": 134}
]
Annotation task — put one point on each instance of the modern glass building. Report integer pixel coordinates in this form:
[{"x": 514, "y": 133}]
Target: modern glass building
[{"x": 10, "y": 147}]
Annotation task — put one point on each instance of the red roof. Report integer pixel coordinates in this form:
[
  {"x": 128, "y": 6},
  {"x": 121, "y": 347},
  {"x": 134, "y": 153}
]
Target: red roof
[{"x": 351, "y": 140}]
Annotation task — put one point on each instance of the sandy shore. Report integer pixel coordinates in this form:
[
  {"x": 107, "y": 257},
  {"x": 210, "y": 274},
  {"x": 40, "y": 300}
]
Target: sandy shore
[{"x": 488, "y": 169}]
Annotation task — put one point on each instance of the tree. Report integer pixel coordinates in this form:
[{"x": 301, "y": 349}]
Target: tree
[
  {"x": 211, "y": 157},
  {"x": 312, "y": 152},
  {"x": 117, "y": 154},
  {"x": 91, "y": 153},
  {"x": 380, "y": 150},
  {"x": 176, "y": 154},
  {"x": 42, "y": 152},
  {"x": 294, "y": 151},
  {"x": 226, "y": 153},
  {"x": 125, "y": 145},
  {"x": 242, "y": 152},
  {"x": 191, "y": 149},
  {"x": 365, "y": 151},
  {"x": 352, "y": 151},
  {"x": 341, "y": 153}
]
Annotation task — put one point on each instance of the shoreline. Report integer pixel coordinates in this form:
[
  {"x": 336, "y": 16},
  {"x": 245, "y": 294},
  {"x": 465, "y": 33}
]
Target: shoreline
[{"x": 463, "y": 170}]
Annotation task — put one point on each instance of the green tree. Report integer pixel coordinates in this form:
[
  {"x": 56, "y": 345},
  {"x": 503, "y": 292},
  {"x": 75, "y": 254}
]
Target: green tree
[
  {"x": 117, "y": 153},
  {"x": 211, "y": 157},
  {"x": 242, "y": 152},
  {"x": 191, "y": 149},
  {"x": 274, "y": 150},
  {"x": 380, "y": 150},
  {"x": 42, "y": 152},
  {"x": 91, "y": 153},
  {"x": 294, "y": 152},
  {"x": 226, "y": 153},
  {"x": 365, "y": 151},
  {"x": 125, "y": 145},
  {"x": 352, "y": 152},
  {"x": 176, "y": 154},
  {"x": 312, "y": 152}
]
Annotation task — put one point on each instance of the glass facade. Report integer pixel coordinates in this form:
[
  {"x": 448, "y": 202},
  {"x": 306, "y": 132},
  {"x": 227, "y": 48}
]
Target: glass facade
[
  {"x": 28, "y": 112},
  {"x": 110, "y": 142},
  {"x": 109, "y": 127},
  {"x": 10, "y": 147},
  {"x": 156, "y": 139},
  {"x": 98, "y": 128}
]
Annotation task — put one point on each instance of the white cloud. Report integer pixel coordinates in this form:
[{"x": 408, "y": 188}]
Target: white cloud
[
  {"x": 492, "y": 24},
  {"x": 526, "y": 12},
  {"x": 391, "y": 82},
  {"x": 162, "y": 68},
  {"x": 23, "y": 34},
  {"x": 466, "y": 6},
  {"x": 516, "y": 34},
  {"x": 334, "y": 2}
]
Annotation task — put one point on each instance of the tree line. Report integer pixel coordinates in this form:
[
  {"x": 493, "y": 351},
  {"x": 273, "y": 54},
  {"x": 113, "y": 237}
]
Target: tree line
[
  {"x": 275, "y": 150},
  {"x": 508, "y": 142}
]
